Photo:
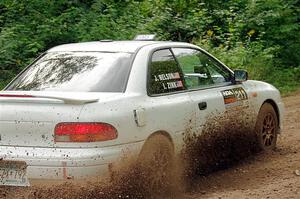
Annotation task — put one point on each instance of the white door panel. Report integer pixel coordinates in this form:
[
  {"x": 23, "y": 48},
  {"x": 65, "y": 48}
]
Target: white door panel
[
  {"x": 213, "y": 95},
  {"x": 206, "y": 104},
  {"x": 172, "y": 114},
  {"x": 217, "y": 107}
]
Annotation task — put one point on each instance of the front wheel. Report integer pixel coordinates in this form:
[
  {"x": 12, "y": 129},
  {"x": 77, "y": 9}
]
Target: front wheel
[{"x": 267, "y": 127}]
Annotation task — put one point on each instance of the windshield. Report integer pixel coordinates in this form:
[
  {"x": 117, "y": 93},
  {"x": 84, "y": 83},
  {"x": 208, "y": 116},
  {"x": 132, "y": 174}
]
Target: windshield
[{"x": 76, "y": 71}]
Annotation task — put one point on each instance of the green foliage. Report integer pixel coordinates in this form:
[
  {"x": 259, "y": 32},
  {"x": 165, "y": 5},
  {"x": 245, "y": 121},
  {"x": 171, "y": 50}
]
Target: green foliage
[
  {"x": 262, "y": 36},
  {"x": 260, "y": 64},
  {"x": 276, "y": 23}
]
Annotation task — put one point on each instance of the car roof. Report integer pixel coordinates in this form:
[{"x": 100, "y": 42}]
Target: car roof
[{"x": 109, "y": 46}]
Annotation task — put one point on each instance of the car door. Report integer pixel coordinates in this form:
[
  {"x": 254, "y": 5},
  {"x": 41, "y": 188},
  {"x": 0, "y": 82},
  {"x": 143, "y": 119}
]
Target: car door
[
  {"x": 168, "y": 106},
  {"x": 216, "y": 100}
]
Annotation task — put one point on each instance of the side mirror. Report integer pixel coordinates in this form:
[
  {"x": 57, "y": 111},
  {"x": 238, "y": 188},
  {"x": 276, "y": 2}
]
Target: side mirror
[{"x": 240, "y": 76}]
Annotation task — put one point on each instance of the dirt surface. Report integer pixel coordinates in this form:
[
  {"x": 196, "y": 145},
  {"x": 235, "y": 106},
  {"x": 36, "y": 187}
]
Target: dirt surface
[{"x": 265, "y": 175}]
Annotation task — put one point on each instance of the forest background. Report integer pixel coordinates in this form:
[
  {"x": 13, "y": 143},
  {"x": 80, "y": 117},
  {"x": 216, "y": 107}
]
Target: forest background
[{"x": 261, "y": 36}]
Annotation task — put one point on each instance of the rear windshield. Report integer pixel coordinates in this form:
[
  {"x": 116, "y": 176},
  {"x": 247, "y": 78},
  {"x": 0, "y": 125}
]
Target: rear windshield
[{"x": 76, "y": 71}]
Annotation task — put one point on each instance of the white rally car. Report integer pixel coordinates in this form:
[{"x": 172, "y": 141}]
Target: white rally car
[{"x": 78, "y": 108}]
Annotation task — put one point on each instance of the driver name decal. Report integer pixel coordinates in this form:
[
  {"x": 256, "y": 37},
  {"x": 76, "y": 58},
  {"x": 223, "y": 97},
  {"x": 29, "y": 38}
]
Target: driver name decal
[
  {"x": 169, "y": 81},
  {"x": 167, "y": 76}
]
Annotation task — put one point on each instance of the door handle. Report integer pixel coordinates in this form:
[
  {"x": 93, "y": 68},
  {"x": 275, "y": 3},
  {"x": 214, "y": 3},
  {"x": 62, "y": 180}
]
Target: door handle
[{"x": 202, "y": 105}]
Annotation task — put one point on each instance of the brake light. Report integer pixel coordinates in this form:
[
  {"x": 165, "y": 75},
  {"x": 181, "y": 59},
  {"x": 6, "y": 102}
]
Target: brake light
[
  {"x": 84, "y": 132},
  {"x": 11, "y": 95}
]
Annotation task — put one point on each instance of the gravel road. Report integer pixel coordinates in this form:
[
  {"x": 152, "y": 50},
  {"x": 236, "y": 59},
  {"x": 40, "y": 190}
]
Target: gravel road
[{"x": 266, "y": 175}]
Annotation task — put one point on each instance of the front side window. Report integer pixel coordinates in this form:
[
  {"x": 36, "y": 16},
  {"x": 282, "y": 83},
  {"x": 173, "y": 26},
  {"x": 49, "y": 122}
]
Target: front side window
[
  {"x": 165, "y": 76},
  {"x": 200, "y": 70},
  {"x": 76, "y": 71}
]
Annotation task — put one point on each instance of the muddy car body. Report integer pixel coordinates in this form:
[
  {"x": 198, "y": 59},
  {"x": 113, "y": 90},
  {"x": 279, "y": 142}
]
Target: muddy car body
[{"x": 79, "y": 108}]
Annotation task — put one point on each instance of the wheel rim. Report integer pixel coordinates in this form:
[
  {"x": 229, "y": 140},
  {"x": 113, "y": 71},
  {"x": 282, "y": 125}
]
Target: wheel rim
[{"x": 269, "y": 130}]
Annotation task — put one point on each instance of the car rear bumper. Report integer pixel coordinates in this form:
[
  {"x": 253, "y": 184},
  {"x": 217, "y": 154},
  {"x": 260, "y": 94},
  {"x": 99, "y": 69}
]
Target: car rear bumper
[{"x": 69, "y": 163}]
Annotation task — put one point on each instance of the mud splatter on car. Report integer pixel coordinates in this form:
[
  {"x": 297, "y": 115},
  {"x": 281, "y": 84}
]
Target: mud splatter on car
[
  {"x": 130, "y": 180},
  {"x": 223, "y": 141}
]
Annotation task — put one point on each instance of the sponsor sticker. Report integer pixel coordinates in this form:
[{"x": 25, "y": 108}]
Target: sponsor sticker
[{"x": 234, "y": 97}]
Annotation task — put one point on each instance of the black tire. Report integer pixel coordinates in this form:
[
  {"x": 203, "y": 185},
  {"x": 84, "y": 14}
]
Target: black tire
[
  {"x": 157, "y": 161},
  {"x": 267, "y": 127}
]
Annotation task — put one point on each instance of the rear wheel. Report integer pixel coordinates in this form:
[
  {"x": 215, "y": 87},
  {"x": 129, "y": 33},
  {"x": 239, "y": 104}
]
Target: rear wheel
[
  {"x": 157, "y": 163},
  {"x": 267, "y": 127}
]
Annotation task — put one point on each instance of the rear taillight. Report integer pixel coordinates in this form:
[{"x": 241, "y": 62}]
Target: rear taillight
[
  {"x": 84, "y": 132},
  {"x": 12, "y": 95}
]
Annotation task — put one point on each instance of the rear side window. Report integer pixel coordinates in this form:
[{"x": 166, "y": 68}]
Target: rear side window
[
  {"x": 76, "y": 71},
  {"x": 165, "y": 76}
]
